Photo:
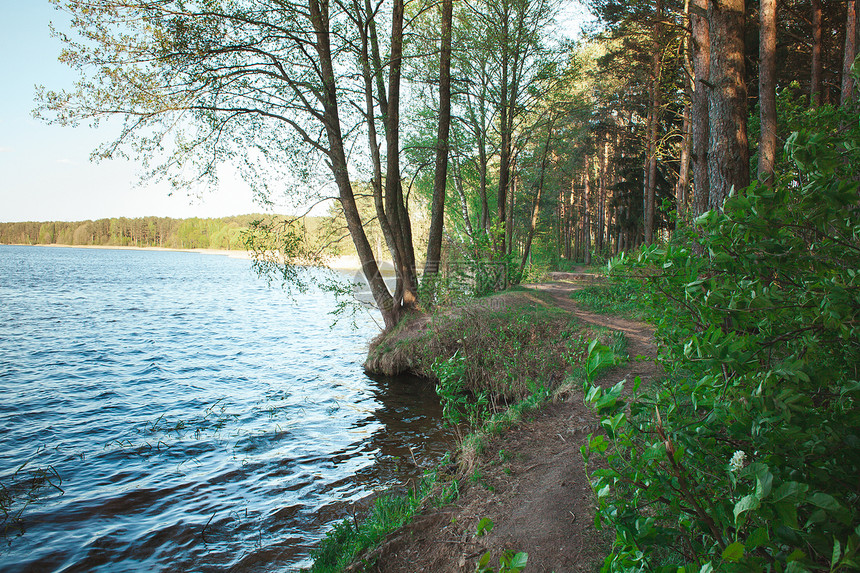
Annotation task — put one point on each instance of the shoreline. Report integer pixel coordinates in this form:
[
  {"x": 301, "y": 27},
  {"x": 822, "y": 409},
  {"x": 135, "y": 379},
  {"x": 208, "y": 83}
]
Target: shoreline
[
  {"x": 341, "y": 263},
  {"x": 489, "y": 475}
]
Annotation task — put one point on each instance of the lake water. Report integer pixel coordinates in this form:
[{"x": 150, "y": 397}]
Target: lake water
[{"x": 167, "y": 411}]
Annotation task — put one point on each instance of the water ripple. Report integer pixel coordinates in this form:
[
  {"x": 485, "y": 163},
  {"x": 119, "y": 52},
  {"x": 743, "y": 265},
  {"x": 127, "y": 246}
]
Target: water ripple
[{"x": 165, "y": 411}]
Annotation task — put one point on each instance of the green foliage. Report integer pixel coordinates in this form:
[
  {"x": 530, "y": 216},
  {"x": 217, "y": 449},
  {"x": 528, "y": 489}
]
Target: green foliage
[
  {"x": 194, "y": 233},
  {"x": 746, "y": 457},
  {"x": 503, "y": 347},
  {"x": 474, "y": 269},
  {"x": 457, "y": 406},
  {"x": 349, "y": 539},
  {"x": 509, "y": 562}
]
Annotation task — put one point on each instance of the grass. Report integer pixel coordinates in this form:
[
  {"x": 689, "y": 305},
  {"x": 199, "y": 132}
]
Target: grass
[
  {"x": 345, "y": 544},
  {"x": 618, "y": 298},
  {"x": 350, "y": 539},
  {"x": 517, "y": 348},
  {"x": 508, "y": 341}
]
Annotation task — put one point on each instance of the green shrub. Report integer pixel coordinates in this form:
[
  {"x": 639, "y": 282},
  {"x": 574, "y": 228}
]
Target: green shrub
[{"x": 747, "y": 457}]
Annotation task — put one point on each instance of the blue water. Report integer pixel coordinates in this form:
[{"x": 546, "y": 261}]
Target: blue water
[{"x": 170, "y": 411}]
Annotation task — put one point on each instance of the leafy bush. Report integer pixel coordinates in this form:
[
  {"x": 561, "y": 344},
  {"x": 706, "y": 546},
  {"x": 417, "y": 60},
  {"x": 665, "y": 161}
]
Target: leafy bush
[
  {"x": 747, "y": 457},
  {"x": 457, "y": 407}
]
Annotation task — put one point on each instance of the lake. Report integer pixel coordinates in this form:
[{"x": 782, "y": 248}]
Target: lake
[{"x": 170, "y": 411}]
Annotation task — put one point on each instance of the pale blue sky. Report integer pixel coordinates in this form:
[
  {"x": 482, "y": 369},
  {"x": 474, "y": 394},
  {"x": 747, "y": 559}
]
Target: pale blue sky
[{"x": 45, "y": 171}]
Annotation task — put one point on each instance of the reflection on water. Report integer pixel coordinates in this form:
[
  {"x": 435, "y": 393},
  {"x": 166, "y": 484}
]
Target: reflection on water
[{"x": 176, "y": 414}]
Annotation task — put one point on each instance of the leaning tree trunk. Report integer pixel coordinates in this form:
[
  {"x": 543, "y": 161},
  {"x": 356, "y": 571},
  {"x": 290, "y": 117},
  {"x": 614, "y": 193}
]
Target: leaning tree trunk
[
  {"x": 440, "y": 176},
  {"x": 728, "y": 162},
  {"x": 337, "y": 156},
  {"x": 536, "y": 206},
  {"x": 767, "y": 91},
  {"x": 367, "y": 40}
]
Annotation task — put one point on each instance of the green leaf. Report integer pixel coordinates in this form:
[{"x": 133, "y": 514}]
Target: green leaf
[
  {"x": 757, "y": 538},
  {"x": 746, "y": 503},
  {"x": 824, "y": 501},
  {"x": 519, "y": 561},
  {"x": 485, "y": 526},
  {"x": 837, "y": 553},
  {"x": 733, "y": 552},
  {"x": 764, "y": 480}
]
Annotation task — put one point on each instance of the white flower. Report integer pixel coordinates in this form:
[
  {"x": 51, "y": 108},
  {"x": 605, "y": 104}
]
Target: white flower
[{"x": 737, "y": 461}]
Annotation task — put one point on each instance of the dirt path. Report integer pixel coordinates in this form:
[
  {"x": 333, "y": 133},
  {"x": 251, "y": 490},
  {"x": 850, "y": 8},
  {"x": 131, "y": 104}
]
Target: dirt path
[{"x": 531, "y": 482}]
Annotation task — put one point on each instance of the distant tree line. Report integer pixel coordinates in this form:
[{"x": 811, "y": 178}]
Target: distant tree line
[{"x": 193, "y": 233}]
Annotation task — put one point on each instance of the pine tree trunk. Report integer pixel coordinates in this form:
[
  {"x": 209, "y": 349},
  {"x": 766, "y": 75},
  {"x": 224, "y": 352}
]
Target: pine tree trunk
[
  {"x": 815, "y": 79},
  {"x": 653, "y": 123},
  {"x": 684, "y": 168},
  {"x": 728, "y": 161},
  {"x": 586, "y": 215},
  {"x": 701, "y": 55},
  {"x": 850, "y": 53},
  {"x": 767, "y": 90}
]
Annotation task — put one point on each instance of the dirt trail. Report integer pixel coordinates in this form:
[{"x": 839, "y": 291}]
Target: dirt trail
[{"x": 531, "y": 482}]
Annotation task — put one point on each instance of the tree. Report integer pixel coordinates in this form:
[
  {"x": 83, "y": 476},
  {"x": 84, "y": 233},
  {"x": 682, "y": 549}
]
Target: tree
[
  {"x": 767, "y": 90},
  {"x": 654, "y": 113},
  {"x": 850, "y": 54},
  {"x": 728, "y": 159},
  {"x": 268, "y": 83},
  {"x": 440, "y": 178},
  {"x": 700, "y": 113}
]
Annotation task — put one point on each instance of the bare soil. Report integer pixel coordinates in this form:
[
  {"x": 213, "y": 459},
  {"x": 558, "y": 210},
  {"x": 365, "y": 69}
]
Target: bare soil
[{"x": 531, "y": 481}]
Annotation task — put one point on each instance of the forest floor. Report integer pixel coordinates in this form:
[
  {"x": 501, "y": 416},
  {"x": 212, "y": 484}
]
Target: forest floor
[{"x": 530, "y": 481}]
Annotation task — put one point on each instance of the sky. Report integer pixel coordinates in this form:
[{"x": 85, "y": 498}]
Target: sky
[{"x": 45, "y": 170}]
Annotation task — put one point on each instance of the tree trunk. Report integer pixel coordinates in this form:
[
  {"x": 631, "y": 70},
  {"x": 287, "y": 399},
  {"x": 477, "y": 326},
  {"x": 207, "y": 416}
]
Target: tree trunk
[
  {"x": 509, "y": 223},
  {"x": 372, "y": 136},
  {"x": 728, "y": 162},
  {"x": 850, "y": 53},
  {"x": 464, "y": 203},
  {"x": 405, "y": 292},
  {"x": 586, "y": 216},
  {"x": 391, "y": 311},
  {"x": 536, "y": 207},
  {"x": 767, "y": 91},
  {"x": 505, "y": 144},
  {"x": 440, "y": 177},
  {"x": 684, "y": 168},
  {"x": 601, "y": 195},
  {"x": 653, "y": 124},
  {"x": 815, "y": 80},
  {"x": 700, "y": 104}
]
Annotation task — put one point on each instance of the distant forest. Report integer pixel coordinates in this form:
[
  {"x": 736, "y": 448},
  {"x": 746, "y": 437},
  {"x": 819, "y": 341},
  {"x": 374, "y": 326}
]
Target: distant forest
[{"x": 193, "y": 233}]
